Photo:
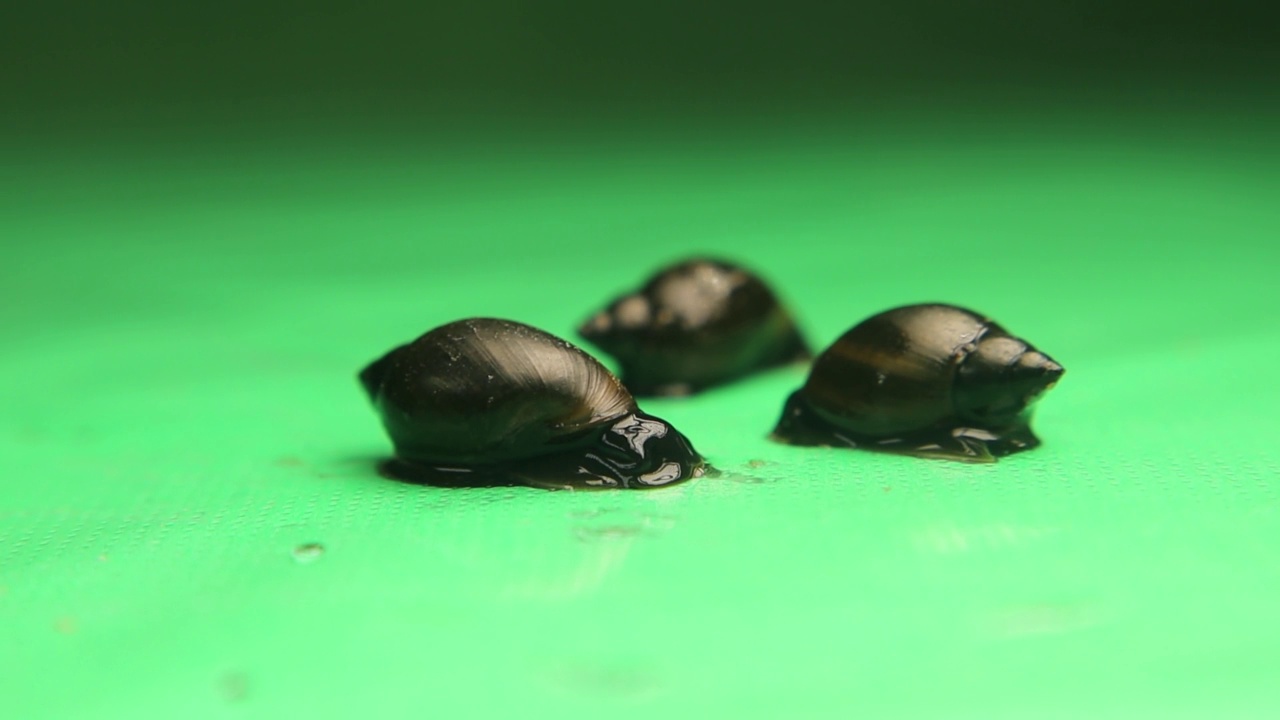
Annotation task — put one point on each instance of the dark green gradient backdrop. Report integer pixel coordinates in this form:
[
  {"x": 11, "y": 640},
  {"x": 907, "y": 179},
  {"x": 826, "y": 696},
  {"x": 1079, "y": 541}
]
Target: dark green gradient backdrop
[
  {"x": 211, "y": 218},
  {"x": 233, "y": 59}
]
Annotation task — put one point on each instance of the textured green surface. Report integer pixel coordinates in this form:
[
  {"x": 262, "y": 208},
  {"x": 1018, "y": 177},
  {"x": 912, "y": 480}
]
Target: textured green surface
[{"x": 183, "y": 320}]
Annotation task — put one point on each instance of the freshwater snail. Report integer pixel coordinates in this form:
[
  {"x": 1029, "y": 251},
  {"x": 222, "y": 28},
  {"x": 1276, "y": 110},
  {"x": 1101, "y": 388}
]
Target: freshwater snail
[
  {"x": 694, "y": 325},
  {"x": 926, "y": 380},
  {"x": 494, "y": 402}
]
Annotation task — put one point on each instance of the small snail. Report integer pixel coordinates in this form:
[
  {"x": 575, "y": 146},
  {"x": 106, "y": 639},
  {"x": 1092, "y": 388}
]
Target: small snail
[
  {"x": 494, "y": 402},
  {"x": 925, "y": 380},
  {"x": 694, "y": 325}
]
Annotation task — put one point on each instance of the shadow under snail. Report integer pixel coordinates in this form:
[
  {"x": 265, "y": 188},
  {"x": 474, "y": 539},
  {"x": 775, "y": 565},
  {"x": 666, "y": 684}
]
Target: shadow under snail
[
  {"x": 494, "y": 402},
  {"x": 930, "y": 380},
  {"x": 694, "y": 325}
]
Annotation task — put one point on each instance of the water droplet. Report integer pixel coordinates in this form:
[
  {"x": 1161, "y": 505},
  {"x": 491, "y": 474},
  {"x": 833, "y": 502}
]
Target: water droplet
[{"x": 308, "y": 553}]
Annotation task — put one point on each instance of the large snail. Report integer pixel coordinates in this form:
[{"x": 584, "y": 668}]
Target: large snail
[
  {"x": 925, "y": 380},
  {"x": 494, "y": 402},
  {"x": 694, "y": 325}
]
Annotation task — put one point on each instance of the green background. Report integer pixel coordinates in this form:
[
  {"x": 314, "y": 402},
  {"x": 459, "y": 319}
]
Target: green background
[{"x": 210, "y": 221}]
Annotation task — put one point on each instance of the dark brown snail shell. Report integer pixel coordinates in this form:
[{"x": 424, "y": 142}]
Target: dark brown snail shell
[
  {"x": 926, "y": 380},
  {"x": 694, "y": 325},
  {"x": 495, "y": 402}
]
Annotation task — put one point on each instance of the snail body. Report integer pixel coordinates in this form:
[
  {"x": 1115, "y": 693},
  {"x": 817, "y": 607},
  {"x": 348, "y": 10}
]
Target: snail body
[
  {"x": 695, "y": 325},
  {"x": 494, "y": 402},
  {"x": 928, "y": 380}
]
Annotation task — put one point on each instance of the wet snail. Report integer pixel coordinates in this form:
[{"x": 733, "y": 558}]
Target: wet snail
[
  {"x": 694, "y": 325},
  {"x": 494, "y": 402},
  {"x": 925, "y": 380}
]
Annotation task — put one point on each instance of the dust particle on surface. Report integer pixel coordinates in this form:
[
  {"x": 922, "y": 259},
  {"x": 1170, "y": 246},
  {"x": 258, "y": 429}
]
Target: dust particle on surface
[
  {"x": 590, "y": 513},
  {"x": 308, "y": 553}
]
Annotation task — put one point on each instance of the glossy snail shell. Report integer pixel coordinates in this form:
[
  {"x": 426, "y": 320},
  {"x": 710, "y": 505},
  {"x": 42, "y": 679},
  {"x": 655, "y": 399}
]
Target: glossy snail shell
[
  {"x": 695, "y": 325},
  {"x": 491, "y": 402},
  {"x": 928, "y": 380}
]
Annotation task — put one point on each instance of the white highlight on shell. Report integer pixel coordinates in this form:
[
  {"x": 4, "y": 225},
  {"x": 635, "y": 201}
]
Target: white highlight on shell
[
  {"x": 638, "y": 432},
  {"x": 667, "y": 472},
  {"x": 974, "y": 433},
  {"x": 633, "y": 312}
]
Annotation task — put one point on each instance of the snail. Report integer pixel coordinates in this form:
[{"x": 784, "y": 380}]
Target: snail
[
  {"x": 493, "y": 402},
  {"x": 930, "y": 380},
  {"x": 694, "y": 325}
]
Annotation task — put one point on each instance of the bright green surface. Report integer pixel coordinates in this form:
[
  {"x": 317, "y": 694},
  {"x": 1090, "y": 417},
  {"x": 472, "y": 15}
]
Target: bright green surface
[{"x": 182, "y": 323}]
